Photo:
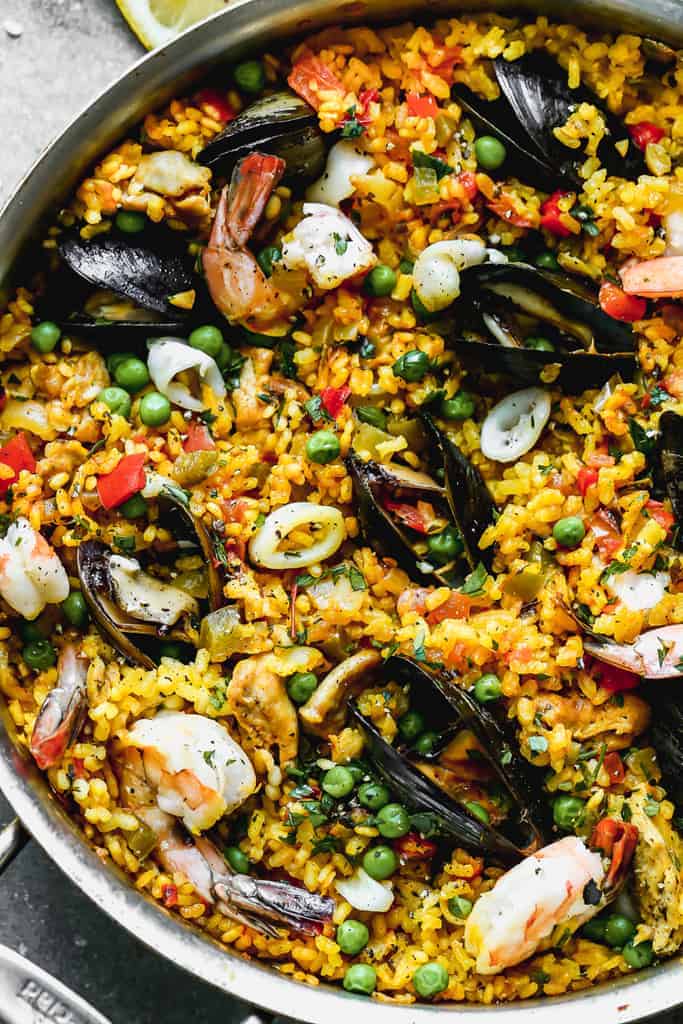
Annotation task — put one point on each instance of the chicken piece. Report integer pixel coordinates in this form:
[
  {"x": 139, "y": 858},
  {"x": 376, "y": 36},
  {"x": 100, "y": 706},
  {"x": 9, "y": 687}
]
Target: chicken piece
[
  {"x": 609, "y": 723},
  {"x": 61, "y": 457},
  {"x": 266, "y": 717},
  {"x": 659, "y": 883}
]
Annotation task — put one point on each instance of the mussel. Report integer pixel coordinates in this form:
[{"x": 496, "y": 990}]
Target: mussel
[
  {"x": 507, "y": 303},
  {"x": 136, "y": 611},
  {"x": 282, "y": 124},
  {"x": 671, "y": 461},
  {"x": 388, "y": 498},
  {"x": 535, "y": 101},
  {"x": 667, "y": 736},
  {"x": 452, "y": 711}
]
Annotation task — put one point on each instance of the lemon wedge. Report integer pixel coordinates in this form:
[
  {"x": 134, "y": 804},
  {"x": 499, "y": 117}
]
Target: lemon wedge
[{"x": 156, "y": 22}]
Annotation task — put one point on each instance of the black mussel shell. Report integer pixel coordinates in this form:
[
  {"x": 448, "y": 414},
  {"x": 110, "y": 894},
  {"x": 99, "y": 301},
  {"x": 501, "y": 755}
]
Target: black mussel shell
[
  {"x": 282, "y": 124},
  {"x": 191, "y": 532},
  {"x": 536, "y": 88},
  {"x": 671, "y": 460},
  {"x": 667, "y": 735}
]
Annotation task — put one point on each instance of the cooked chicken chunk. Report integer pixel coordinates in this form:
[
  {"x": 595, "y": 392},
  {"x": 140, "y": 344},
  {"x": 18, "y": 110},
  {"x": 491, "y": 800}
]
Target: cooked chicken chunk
[
  {"x": 266, "y": 717},
  {"x": 659, "y": 882},
  {"x": 615, "y": 724}
]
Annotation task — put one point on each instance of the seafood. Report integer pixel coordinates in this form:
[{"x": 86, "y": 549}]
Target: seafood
[
  {"x": 328, "y": 246},
  {"x": 561, "y": 885},
  {"x": 671, "y": 458},
  {"x": 264, "y": 713},
  {"x": 169, "y": 357},
  {"x": 62, "y": 713},
  {"x": 656, "y": 654},
  {"x": 31, "y": 574},
  {"x": 661, "y": 278},
  {"x": 658, "y": 856}
]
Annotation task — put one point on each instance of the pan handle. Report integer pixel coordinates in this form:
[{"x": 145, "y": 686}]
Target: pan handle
[
  {"x": 13, "y": 838},
  {"x": 28, "y": 994}
]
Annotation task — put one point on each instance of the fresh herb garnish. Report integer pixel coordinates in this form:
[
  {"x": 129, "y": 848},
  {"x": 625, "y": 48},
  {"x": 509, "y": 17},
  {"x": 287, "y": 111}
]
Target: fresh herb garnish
[
  {"x": 440, "y": 167},
  {"x": 474, "y": 583}
]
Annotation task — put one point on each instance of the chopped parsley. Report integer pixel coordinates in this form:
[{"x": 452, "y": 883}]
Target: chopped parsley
[
  {"x": 644, "y": 441},
  {"x": 474, "y": 584},
  {"x": 351, "y": 126},
  {"x": 209, "y": 756},
  {"x": 340, "y": 244},
  {"x": 440, "y": 167},
  {"x": 316, "y": 410}
]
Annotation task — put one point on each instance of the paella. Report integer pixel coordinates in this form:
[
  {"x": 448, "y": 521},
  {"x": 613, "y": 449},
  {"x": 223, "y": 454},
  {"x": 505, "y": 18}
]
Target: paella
[{"x": 341, "y": 484}]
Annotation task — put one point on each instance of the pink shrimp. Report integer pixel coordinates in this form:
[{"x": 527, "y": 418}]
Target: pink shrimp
[
  {"x": 654, "y": 279},
  {"x": 61, "y": 716}
]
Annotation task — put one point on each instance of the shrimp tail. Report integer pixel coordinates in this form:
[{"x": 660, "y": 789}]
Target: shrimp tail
[
  {"x": 264, "y": 901},
  {"x": 616, "y": 840},
  {"x": 62, "y": 713}
]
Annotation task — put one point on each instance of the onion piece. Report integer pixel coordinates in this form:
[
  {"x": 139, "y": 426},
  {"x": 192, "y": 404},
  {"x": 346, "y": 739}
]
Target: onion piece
[
  {"x": 639, "y": 591},
  {"x": 436, "y": 274},
  {"x": 334, "y": 185},
  {"x": 170, "y": 356},
  {"x": 263, "y": 546},
  {"x": 514, "y": 425},
  {"x": 364, "y": 893}
]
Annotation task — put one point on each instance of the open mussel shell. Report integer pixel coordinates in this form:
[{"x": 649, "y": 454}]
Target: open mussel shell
[
  {"x": 190, "y": 533},
  {"x": 282, "y": 124},
  {"x": 536, "y": 88},
  {"x": 671, "y": 460},
  {"x": 666, "y": 732}
]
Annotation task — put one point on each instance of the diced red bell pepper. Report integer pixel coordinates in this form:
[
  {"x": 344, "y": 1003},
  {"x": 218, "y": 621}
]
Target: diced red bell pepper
[
  {"x": 310, "y": 76},
  {"x": 198, "y": 438},
  {"x": 333, "y": 399},
  {"x": 413, "y": 847},
  {"x": 468, "y": 180},
  {"x": 617, "y": 840},
  {"x": 616, "y": 303},
  {"x": 422, "y": 106},
  {"x": 505, "y": 206},
  {"x": 123, "y": 482},
  {"x": 365, "y": 98},
  {"x": 452, "y": 55},
  {"x": 606, "y": 530},
  {"x": 456, "y": 606},
  {"x": 644, "y": 133},
  {"x": 215, "y": 105},
  {"x": 660, "y": 514},
  {"x": 169, "y": 895},
  {"x": 586, "y": 478},
  {"x": 613, "y": 678},
  {"x": 408, "y": 514},
  {"x": 551, "y": 215},
  {"x": 614, "y": 767},
  {"x": 17, "y": 455}
]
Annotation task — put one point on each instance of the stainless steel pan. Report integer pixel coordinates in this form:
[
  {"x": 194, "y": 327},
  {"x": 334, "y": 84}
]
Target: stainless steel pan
[{"x": 249, "y": 26}]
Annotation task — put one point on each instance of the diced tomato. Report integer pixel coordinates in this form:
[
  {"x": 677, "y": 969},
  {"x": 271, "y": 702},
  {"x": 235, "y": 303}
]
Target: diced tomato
[
  {"x": 586, "y": 478},
  {"x": 198, "y": 437},
  {"x": 123, "y": 482},
  {"x": 617, "y": 839},
  {"x": 616, "y": 303},
  {"x": 551, "y": 215},
  {"x": 408, "y": 514},
  {"x": 79, "y": 767},
  {"x": 215, "y": 105},
  {"x": 613, "y": 678},
  {"x": 607, "y": 533},
  {"x": 310, "y": 76},
  {"x": 456, "y": 606},
  {"x": 504, "y": 206},
  {"x": 413, "y": 847},
  {"x": 644, "y": 133},
  {"x": 600, "y": 458},
  {"x": 673, "y": 383},
  {"x": 17, "y": 455},
  {"x": 333, "y": 399},
  {"x": 365, "y": 98},
  {"x": 660, "y": 514},
  {"x": 421, "y": 106},
  {"x": 614, "y": 767},
  {"x": 452, "y": 55},
  {"x": 412, "y": 600},
  {"x": 469, "y": 184},
  {"x": 169, "y": 895},
  {"x": 234, "y": 510}
]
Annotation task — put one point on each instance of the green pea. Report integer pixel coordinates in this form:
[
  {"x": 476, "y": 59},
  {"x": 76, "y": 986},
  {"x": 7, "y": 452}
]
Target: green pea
[
  {"x": 132, "y": 374},
  {"x": 117, "y": 401},
  {"x": 360, "y": 978},
  {"x": 30, "y": 631},
  {"x": 618, "y": 930},
  {"x": 116, "y": 358},
  {"x": 490, "y": 152},
  {"x": 322, "y": 447},
  {"x": 411, "y": 725},
  {"x": 380, "y": 281},
  {"x": 425, "y": 743},
  {"x": 250, "y": 76},
  {"x": 478, "y": 811},
  {"x": 134, "y": 508},
  {"x": 45, "y": 336},
  {"x": 638, "y": 955},
  {"x": 372, "y": 415},
  {"x": 412, "y": 366},
  {"x": 171, "y": 650},
  {"x": 352, "y": 936},
  {"x": 130, "y": 222},
  {"x": 155, "y": 409},
  {"x": 225, "y": 357},
  {"x": 582, "y": 212},
  {"x": 40, "y": 654},
  {"x": 75, "y": 609},
  {"x": 567, "y": 812},
  {"x": 380, "y": 862},
  {"x": 207, "y": 339},
  {"x": 373, "y": 795},
  {"x": 569, "y": 532},
  {"x": 540, "y": 344},
  {"x": 595, "y": 929},
  {"x": 406, "y": 265},
  {"x": 445, "y": 546},
  {"x": 237, "y": 860},
  {"x": 547, "y": 261},
  {"x": 430, "y": 979},
  {"x": 487, "y": 688},
  {"x": 357, "y": 771},
  {"x": 393, "y": 821},
  {"x": 301, "y": 686},
  {"x": 459, "y": 407},
  {"x": 266, "y": 257},
  {"x": 337, "y": 782},
  {"x": 460, "y": 907},
  {"x": 513, "y": 253}
]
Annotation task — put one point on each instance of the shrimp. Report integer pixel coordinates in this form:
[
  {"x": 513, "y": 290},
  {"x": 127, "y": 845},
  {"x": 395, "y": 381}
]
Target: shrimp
[
  {"x": 260, "y": 904},
  {"x": 199, "y": 773},
  {"x": 654, "y": 279},
  {"x": 31, "y": 574},
  {"x": 61, "y": 716},
  {"x": 258, "y": 699},
  {"x": 239, "y": 288},
  {"x": 656, "y": 654},
  {"x": 565, "y": 884}
]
